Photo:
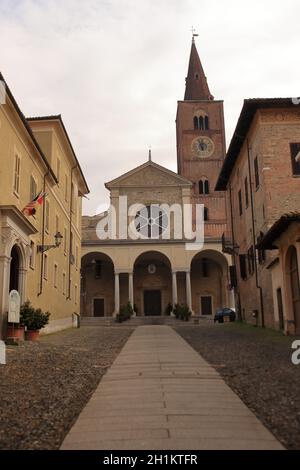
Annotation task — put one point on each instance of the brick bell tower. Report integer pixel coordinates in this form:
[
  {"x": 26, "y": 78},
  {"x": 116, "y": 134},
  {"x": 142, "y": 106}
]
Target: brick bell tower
[{"x": 201, "y": 147}]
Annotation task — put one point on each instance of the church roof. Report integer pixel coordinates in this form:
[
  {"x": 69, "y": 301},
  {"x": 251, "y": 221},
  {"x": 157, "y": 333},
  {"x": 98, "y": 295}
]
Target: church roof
[
  {"x": 174, "y": 178},
  {"x": 196, "y": 87}
]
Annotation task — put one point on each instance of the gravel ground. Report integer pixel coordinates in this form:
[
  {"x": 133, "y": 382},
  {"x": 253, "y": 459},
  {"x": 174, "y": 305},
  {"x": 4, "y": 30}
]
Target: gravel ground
[
  {"x": 257, "y": 365},
  {"x": 45, "y": 384}
]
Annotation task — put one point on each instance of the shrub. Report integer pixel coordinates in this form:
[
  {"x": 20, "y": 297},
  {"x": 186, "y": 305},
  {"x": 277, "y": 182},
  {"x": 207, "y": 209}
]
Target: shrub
[
  {"x": 33, "y": 319},
  {"x": 125, "y": 313},
  {"x": 182, "y": 312}
]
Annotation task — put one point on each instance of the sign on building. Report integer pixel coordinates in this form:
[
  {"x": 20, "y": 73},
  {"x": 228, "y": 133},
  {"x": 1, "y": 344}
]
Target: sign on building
[{"x": 14, "y": 307}]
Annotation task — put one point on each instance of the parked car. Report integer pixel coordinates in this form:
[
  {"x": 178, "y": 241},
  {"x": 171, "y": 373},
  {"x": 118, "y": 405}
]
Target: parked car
[{"x": 224, "y": 314}]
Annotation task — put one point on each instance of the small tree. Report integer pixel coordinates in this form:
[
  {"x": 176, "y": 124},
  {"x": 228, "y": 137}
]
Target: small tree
[{"x": 33, "y": 319}]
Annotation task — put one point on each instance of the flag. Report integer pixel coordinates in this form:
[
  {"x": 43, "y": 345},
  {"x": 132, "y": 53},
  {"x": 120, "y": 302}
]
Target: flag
[{"x": 30, "y": 208}]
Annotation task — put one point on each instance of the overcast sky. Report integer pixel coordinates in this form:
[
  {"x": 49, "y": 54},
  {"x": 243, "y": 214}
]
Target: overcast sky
[{"x": 115, "y": 69}]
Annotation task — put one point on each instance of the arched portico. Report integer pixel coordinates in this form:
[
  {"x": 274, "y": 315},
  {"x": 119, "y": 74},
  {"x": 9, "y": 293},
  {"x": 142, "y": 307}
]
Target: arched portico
[
  {"x": 152, "y": 283},
  {"x": 97, "y": 285},
  {"x": 209, "y": 281}
]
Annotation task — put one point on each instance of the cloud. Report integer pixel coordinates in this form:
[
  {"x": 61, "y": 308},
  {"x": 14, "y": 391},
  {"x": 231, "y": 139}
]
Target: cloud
[{"x": 115, "y": 69}]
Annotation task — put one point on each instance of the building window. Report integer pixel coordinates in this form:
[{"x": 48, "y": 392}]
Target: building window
[
  {"x": 205, "y": 213},
  {"x": 56, "y": 223},
  {"x": 47, "y": 215},
  {"x": 17, "y": 174},
  {"x": 246, "y": 193},
  {"x": 64, "y": 283},
  {"x": 45, "y": 266},
  {"x": 72, "y": 197},
  {"x": 201, "y": 122},
  {"x": 32, "y": 255},
  {"x": 58, "y": 169},
  {"x": 66, "y": 188},
  {"x": 55, "y": 273},
  {"x": 204, "y": 186},
  {"x": 256, "y": 173},
  {"x": 33, "y": 188},
  {"x": 65, "y": 241},
  {"x": 243, "y": 268},
  {"x": 70, "y": 289},
  {"x": 295, "y": 156},
  {"x": 240, "y": 202}
]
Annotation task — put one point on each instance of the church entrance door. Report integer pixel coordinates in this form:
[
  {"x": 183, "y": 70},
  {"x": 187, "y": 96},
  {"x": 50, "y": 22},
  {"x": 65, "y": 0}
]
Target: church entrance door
[{"x": 152, "y": 302}]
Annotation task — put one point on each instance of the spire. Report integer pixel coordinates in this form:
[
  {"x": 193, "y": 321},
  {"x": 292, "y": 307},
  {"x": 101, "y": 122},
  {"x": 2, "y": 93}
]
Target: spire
[
  {"x": 196, "y": 87},
  {"x": 149, "y": 154}
]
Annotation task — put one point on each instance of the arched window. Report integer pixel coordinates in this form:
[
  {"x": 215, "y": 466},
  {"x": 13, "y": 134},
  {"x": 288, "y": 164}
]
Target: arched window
[
  {"x": 201, "y": 120},
  {"x": 201, "y": 188},
  {"x": 205, "y": 213},
  {"x": 151, "y": 221},
  {"x": 206, "y": 187}
]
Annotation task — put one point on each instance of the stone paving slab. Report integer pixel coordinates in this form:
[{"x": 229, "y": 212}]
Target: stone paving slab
[{"x": 160, "y": 394}]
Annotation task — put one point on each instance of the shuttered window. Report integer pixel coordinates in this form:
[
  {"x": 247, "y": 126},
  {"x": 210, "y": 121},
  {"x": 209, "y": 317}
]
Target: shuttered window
[
  {"x": 243, "y": 268},
  {"x": 295, "y": 156}
]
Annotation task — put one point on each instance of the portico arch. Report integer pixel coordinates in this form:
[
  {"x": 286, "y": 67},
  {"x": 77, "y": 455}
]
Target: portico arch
[
  {"x": 97, "y": 285},
  {"x": 152, "y": 283},
  {"x": 209, "y": 281}
]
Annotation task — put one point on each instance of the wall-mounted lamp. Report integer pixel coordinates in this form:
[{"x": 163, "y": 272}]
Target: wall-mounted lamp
[{"x": 58, "y": 239}]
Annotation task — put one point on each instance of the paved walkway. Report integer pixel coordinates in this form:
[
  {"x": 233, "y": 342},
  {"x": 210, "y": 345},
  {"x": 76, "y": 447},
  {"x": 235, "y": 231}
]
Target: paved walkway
[{"x": 160, "y": 394}]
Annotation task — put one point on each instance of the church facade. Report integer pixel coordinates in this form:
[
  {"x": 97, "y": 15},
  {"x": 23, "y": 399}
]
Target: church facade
[{"x": 156, "y": 268}]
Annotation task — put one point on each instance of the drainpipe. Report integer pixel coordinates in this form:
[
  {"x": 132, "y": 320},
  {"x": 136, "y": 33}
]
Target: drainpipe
[
  {"x": 43, "y": 234},
  {"x": 70, "y": 234},
  {"x": 254, "y": 241}
]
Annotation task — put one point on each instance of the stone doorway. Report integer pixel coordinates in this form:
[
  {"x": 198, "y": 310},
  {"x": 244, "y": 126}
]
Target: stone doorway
[{"x": 152, "y": 302}]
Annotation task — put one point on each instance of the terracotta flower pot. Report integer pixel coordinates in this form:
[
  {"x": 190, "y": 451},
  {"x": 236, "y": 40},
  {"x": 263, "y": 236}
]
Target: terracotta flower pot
[
  {"x": 32, "y": 335},
  {"x": 16, "y": 332}
]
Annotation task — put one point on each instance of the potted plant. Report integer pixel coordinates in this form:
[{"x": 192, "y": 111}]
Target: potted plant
[
  {"x": 126, "y": 311},
  {"x": 15, "y": 331},
  {"x": 182, "y": 312},
  {"x": 33, "y": 319}
]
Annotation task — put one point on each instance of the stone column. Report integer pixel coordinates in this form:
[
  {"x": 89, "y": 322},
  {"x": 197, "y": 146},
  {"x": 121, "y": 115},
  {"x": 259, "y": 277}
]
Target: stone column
[
  {"x": 130, "y": 289},
  {"x": 174, "y": 288},
  {"x": 117, "y": 293},
  {"x": 188, "y": 290}
]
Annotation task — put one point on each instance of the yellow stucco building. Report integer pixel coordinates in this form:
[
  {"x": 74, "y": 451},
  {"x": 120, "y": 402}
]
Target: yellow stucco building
[{"x": 36, "y": 155}]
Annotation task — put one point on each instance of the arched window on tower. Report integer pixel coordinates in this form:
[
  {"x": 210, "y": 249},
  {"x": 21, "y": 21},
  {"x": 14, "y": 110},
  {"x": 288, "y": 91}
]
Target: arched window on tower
[
  {"x": 201, "y": 120},
  {"x": 203, "y": 186},
  {"x": 206, "y": 187}
]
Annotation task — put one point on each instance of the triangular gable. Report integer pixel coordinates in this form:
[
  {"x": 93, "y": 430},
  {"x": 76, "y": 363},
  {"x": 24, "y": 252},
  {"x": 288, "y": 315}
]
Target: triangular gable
[{"x": 149, "y": 174}]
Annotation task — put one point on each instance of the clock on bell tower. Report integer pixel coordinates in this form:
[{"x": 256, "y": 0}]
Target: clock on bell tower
[{"x": 201, "y": 149}]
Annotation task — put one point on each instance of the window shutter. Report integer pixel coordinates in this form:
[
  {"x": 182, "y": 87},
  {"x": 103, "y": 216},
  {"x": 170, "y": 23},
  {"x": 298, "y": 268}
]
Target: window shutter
[{"x": 243, "y": 269}]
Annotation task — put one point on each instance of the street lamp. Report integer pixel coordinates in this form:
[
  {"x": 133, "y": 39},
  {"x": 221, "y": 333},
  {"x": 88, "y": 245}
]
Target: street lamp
[{"x": 57, "y": 238}]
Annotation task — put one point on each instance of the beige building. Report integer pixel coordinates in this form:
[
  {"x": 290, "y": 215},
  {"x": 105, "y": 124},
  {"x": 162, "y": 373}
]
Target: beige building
[{"x": 36, "y": 155}]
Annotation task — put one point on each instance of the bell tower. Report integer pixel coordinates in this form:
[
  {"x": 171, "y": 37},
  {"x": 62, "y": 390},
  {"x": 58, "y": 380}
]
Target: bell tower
[{"x": 201, "y": 148}]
